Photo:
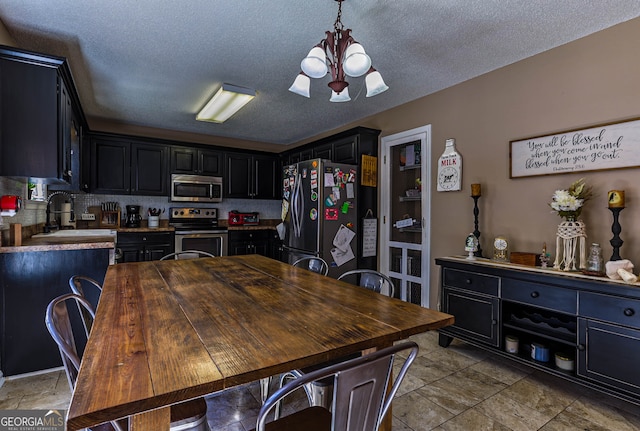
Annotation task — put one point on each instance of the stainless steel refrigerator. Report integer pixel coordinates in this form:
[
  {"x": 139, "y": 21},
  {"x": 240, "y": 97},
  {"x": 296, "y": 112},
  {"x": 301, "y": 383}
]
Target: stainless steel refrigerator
[{"x": 319, "y": 209}]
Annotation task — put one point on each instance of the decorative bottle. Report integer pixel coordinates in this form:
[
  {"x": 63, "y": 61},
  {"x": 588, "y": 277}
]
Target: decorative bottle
[{"x": 595, "y": 262}]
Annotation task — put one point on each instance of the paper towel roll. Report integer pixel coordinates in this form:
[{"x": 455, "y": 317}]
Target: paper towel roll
[{"x": 66, "y": 215}]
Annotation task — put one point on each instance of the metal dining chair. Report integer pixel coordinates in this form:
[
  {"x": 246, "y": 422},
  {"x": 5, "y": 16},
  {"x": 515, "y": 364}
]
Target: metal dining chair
[
  {"x": 370, "y": 279},
  {"x": 361, "y": 398},
  {"x": 187, "y": 254},
  {"x": 313, "y": 263},
  {"x": 89, "y": 289},
  {"x": 319, "y": 393},
  {"x": 190, "y": 415}
]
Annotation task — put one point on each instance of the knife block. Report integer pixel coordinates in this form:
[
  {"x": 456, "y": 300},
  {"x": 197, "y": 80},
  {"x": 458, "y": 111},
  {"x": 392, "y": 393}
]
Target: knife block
[{"x": 110, "y": 219}]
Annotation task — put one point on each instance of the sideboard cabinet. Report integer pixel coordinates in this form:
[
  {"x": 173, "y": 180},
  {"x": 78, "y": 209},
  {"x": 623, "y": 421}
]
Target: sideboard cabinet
[{"x": 592, "y": 321}]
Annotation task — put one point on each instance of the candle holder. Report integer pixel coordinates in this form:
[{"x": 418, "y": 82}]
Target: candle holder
[
  {"x": 616, "y": 242},
  {"x": 476, "y": 232}
]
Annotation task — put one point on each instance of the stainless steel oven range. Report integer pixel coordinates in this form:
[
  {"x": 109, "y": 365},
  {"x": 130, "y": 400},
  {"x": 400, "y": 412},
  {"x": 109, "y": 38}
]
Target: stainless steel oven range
[{"x": 197, "y": 229}]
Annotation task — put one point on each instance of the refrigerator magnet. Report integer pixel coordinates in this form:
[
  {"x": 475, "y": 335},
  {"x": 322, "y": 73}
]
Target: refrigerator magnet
[
  {"x": 313, "y": 214},
  {"x": 330, "y": 214},
  {"x": 350, "y": 191},
  {"x": 304, "y": 173},
  {"x": 314, "y": 196},
  {"x": 329, "y": 202},
  {"x": 335, "y": 192},
  {"x": 328, "y": 180},
  {"x": 314, "y": 174},
  {"x": 345, "y": 207}
]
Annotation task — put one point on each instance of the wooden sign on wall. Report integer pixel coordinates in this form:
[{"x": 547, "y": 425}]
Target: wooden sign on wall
[
  {"x": 609, "y": 146},
  {"x": 369, "y": 166}
]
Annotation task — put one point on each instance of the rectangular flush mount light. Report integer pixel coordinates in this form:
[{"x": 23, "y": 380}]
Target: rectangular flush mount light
[{"x": 226, "y": 102}]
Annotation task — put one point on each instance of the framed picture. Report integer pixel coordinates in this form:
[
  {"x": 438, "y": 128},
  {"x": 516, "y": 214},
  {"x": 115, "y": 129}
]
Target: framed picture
[{"x": 607, "y": 146}]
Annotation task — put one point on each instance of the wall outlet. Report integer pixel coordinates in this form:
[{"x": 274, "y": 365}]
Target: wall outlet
[{"x": 88, "y": 216}]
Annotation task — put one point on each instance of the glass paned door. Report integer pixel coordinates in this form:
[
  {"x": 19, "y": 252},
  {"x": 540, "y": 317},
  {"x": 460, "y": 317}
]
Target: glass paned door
[{"x": 404, "y": 205}]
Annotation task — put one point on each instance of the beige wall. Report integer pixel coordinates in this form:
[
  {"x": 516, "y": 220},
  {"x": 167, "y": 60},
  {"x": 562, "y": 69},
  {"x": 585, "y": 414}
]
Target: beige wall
[
  {"x": 5, "y": 38},
  {"x": 590, "y": 81}
]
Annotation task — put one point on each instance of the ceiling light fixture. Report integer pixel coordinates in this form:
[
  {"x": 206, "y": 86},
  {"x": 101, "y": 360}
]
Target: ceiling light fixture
[
  {"x": 344, "y": 56},
  {"x": 227, "y": 101}
]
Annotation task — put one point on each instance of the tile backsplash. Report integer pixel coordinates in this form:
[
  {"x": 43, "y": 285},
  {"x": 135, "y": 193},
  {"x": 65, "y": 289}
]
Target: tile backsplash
[{"x": 34, "y": 213}]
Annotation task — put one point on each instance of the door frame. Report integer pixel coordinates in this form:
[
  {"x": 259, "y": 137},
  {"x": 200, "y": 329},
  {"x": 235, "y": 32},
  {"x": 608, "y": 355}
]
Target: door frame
[{"x": 423, "y": 134}]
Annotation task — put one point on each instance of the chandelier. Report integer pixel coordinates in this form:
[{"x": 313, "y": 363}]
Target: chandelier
[{"x": 341, "y": 55}]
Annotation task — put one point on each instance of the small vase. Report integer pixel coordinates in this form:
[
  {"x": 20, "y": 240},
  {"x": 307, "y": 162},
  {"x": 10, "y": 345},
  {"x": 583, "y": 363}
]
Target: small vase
[{"x": 571, "y": 236}]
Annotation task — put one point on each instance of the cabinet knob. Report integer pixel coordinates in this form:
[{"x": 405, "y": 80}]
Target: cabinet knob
[
  {"x": 581, "y": 347},
  {"x": 629, "y": 312},
  {"x": 535, "y": 294},
  {"x": 468, "y": 281}
]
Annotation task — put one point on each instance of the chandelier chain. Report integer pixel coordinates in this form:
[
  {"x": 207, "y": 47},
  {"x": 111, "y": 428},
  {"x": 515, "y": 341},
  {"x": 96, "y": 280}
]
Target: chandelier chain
[{"x": 338, "y": 24}]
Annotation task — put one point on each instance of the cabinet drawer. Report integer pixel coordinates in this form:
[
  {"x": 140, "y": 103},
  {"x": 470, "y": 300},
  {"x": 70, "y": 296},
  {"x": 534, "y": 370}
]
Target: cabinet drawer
[
  {"x": 487, "y": 284},
  {"x": 610, "y": 308},
  {"x": 540, "y": 295},
  {"x": 140, "y": 238}
]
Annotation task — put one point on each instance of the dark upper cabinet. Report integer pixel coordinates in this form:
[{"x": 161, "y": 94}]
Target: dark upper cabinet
[
  {"x": 110, "y": 166},
  {"x": 323, "y": 152},
  {"x": 149, "y": 169},
  {"x": 345, "y": 150},
  {"x": 252, "y": 176},
  {"x": 344, "y": 147},
  {"x": 122, "y": 167},
  {"x": 71, "y": 138},
  {"x": 38, "y": 116},
  {"x": 186, "y": 160},
  {"x": 306, "y": 154}
]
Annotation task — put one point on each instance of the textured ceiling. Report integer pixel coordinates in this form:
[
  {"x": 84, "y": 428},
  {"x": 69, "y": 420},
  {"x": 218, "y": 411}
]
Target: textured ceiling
[{"x": 154, "y": 63}]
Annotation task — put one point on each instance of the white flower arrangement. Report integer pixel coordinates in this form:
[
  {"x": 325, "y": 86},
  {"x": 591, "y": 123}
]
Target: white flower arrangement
[{"x": 568, "y": 203}]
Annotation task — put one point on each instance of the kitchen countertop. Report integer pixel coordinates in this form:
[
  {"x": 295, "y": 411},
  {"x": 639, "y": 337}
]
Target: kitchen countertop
[
  {"x": 89, "y": 242},
  {"x": 61, "y": 243}
]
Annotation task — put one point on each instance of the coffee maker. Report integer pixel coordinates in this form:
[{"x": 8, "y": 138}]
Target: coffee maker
[{"x": 133, "y": 216}]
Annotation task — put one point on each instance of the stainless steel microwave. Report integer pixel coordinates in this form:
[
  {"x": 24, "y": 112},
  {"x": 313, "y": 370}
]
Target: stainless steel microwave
[{"x": 195, "y": 188}]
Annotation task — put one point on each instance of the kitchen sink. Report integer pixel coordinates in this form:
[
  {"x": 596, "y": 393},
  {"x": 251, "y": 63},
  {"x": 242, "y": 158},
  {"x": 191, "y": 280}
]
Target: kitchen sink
[{"x": 76, "y": 233}]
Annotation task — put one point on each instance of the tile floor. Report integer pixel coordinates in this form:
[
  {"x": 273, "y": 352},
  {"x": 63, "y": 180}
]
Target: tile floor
[{"x": 460, "y": 388}]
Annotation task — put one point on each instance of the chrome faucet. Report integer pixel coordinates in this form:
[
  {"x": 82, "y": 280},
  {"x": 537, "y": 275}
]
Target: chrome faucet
[{"x": 49, "y": 225}]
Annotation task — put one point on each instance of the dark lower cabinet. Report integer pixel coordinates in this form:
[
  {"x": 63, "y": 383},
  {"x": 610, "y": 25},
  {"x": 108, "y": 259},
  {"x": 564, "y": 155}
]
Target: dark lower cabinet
[
  {"x": 476, "y": 315},
  {"x": 609, "y": 354},
  {"x": 144, "y": 246},
  {"x": 276, "y": 250},
  {"x": 30, "y": 280},
  {"x": 591, "y": 320},
  {"x": 250, "y": 242}
]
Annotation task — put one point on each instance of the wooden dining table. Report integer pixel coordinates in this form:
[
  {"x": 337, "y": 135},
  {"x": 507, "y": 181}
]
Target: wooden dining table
[{"x": 174, "y": 330}]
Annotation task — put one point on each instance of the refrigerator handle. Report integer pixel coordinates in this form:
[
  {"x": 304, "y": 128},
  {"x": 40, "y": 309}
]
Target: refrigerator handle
[
  {"x": 294, "y": 207},
  {"x": 299, "y": 204}
]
